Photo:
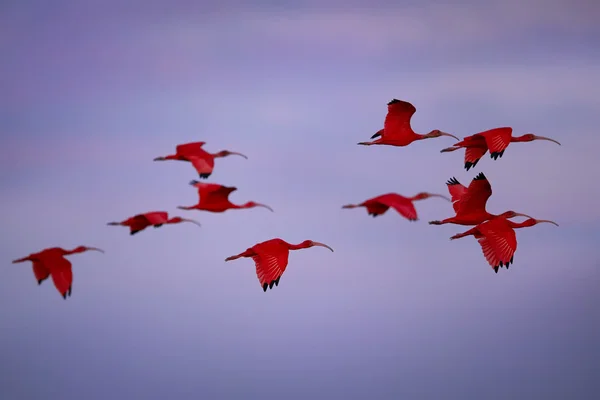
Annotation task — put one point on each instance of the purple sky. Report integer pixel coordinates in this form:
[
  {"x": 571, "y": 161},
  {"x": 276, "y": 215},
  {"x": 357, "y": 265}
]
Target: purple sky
[{"x": 91, "y": 92}]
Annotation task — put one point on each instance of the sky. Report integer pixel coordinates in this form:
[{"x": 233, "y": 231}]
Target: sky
[{"x": 92, "y": 91}]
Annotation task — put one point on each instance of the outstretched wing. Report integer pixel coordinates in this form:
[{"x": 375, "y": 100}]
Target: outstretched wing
[
  {"x": 40, "y": 271},
  {"x": 457, "y": 190},
  {"x": 499, "y": 242},
  {"x": 61, "y": 272},
  {"x": 270, "y": 265},
  {"x": 187, "y": 149},
  {"x": 156, "y": 217},
  {"x": 204, "y": 164},
  {"x": 475, "y": 197},
  {"x": 138, "y": 223},
  {"x": 401, "y": 204},
  {"x": 208, "y": 192},
  {"x": 497, "y": 139},
  {"x": 397, "y": 120}
]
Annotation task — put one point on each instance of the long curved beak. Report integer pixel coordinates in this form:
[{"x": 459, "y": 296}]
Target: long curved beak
[
  {"x": 265, "y": 206},
  {"x": 545, "y": 138},
  {"x": 440, "y": 195},
  {"x": 95, "y": 249},
  {"x": 448, "y": 134},
  {"x": 523, "y": 215},
  {"x": 538, "y": 221},
  {"x": 238, "y": 154},
  {"x": 321, "y": 245},
  {"x": 192, "y": 221}
]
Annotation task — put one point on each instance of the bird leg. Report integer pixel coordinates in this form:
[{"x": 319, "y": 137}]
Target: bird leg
[{"x": 449, "y": 149}]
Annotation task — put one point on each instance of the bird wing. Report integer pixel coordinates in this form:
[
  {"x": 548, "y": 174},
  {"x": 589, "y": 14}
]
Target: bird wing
[
  {"x": 397, "y": 120},
  {"x": 404, "y": 206},
  {"x": 497, "y": 139},
  {"x": 204, "y": 164},
  {"x": 40, "y": 271},
  {"x": 475, "y": 197},
  {"x": 137, "y": 223},
  {"x": 499, "y": 242},
  {"x": 156, "y": 217},
  {"x": 189, "y": 148},
  {"x": 208, "y": 192},
  {"x": 271, "y": 263},
  {"x": 457, "y": 190},
  {"x": 473, "y": 154},
  {"x": 62, "y": 274}
]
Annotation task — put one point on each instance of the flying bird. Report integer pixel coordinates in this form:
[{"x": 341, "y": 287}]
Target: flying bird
[
  {"x": 215, "y": 198},
  {"x": 140, "y": 222},
  {"x": 404, "y": 205},
  {"x": 494, "y": 140},
  {"x": 397, "y": 130},
  {"x": 52, "y": 262},
  {"x": 271, "y": 259},
  {"x": 469, "y": 202},
  {"x": 202, "y": 161},
  {"x": 498, "y": 240}
]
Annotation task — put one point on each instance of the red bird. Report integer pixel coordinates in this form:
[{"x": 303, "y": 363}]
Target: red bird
[
  {"x": 215, "y": 198},
  {"x": 469, "y": 203},
  {"x": 498, "y": 240},
  {"x": 404, "y": 205},
  {"x": 155, "y": 218},
  {"x": 397, "y": 130},
  {"x": 52, "y": 261},
  {"x": 203, "y": 161},
  {"x": 271, "y": 259},
  {"x": 495, "y": 140}
]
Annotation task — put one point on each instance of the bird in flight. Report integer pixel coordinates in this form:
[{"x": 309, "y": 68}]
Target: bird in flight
[
  {"x": 494, "y": 140},
  {"x": 404, "y": 205},
  {"x": 215, "y": 198},
  {"x": 140, "y": 222},
  {"x": 52, "y": 262},
  {"x": 397, "y": 130},
  {"x": 202, "y": 161},
  {"x": 469, "y": 202},
  {"x": 498, "y": 240},
  {"x": 271, "y": 259}
]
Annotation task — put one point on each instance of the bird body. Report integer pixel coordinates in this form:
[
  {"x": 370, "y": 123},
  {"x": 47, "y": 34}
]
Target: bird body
[
  {"x": 215, "y": 198},
  {"x": 52, "y": 262},
  {"x": 498, "y": 240},
  {"x": 202, "y": 161},
  {"x": 157, "y": 219},
  {"x": 404, "y": 205},
  {"x": 397, "y": 130},
  {"x": 470, "y": 202},
  {"x": 271, "y": 259},
  {"x": 493, "y": 140}
]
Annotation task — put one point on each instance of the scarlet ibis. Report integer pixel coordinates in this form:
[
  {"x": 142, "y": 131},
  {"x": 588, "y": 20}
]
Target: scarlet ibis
[
  {"x": 215, "y": 198},
  {"x": 498, "y": 240},
  {"x": 404, "y": 205},
  {"x": 469, "y": 203},
  {"x": 495, "y": 140},
  {"x": 140, "y": 222},
  {"x": 271, "y": 259},
  {"x": 202, "y": 161},
  {"x": 397, "y": 130},
  {"x": 52, "y": 261}
]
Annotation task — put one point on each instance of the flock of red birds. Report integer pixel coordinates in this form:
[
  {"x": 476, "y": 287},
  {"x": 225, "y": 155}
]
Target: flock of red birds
[{"x": 495, "y": 233}]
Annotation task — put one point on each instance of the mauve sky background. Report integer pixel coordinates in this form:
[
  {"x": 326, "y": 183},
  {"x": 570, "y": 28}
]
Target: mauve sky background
[{"x": 91, "y": 92}]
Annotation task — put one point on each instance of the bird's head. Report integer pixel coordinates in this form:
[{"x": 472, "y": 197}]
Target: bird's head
[
  {"x": 81, "y": 249},
  {"x": 177, "y": 220},
  {"x": 437, "y": 133},
  {"x": 252, "y": 204},
  {"x": 529, "y": 137},
  {"x": 312, "y": 243},
  {"x": 513, "y": 214},
  {"x": 225, "y": 153},
  {"x": 425, "y": 195}
]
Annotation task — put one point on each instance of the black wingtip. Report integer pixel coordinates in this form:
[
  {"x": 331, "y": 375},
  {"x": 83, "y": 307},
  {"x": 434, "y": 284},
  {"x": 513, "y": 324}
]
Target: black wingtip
[
  {"x": 40, "y": 281},
  {"x": 134, "y": 232},
  {"x": 468, "y": 165},
  {"x": 393, "y": 101},
  {"x": 375, "y": 135},
  {"x": 496, "y": 269},
  {"x": 204, "y": 176},
  {"x": 480, "y": 177},
  {"x": 452, "y": 181},
  {"x": 265, "y": 286}
]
